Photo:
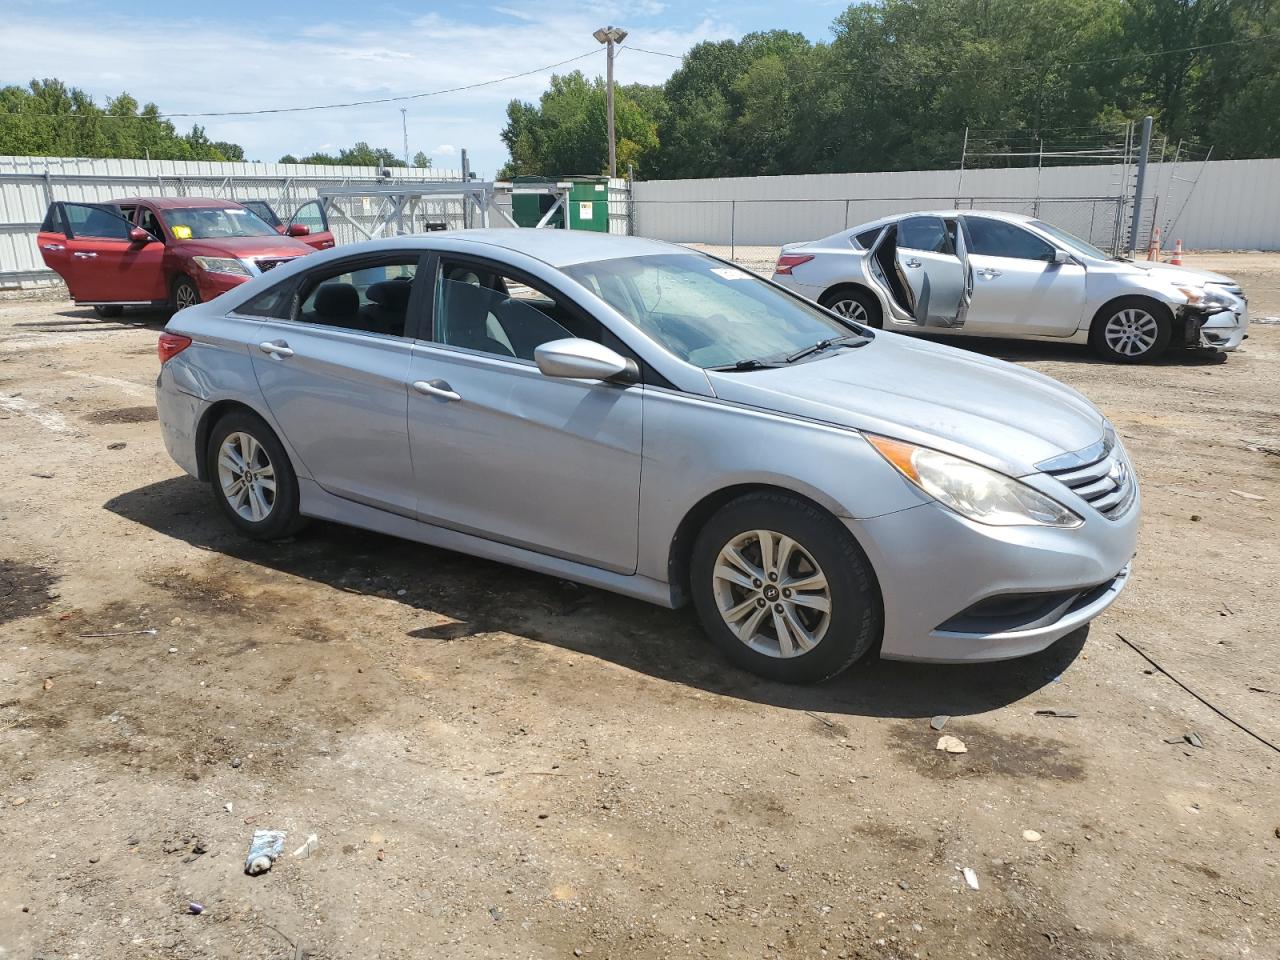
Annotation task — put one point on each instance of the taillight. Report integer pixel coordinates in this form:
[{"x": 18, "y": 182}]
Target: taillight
[
  {"x": 170, "y": 345},
  {"x": 788, "y": 261}
]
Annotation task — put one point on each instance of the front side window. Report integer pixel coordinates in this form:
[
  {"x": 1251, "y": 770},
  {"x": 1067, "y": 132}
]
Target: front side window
[
  {"x": 101, "y": 223},
  {"x": 209, "y": 223},
  {"x": 484, "y": 310},
  {"x": 1071, "y": 241},
  {"x": 148, "y": 221},
  {"x": 928, "y": 234},
  {"x": 704, "y": 311},
  {"x": 999, "y": 238},
  {"x": 370, "y": 298},
  {"x": 311, "y": 215}
]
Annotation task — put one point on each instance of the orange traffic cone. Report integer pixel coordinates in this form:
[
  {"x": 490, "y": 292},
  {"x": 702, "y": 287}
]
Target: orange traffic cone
[
  {"x": 1153, "y": 251},
  {"x": 1176, "y": 259}
]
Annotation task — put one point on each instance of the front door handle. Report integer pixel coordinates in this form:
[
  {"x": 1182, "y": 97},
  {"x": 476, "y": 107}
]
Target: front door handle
[
  {"x": 986, "y": 273},
  {"x": 84, "y": 254},
  {"x": 439, "y": 389},
  {"x": 54, "y": 247},
  {"x": 914, "y": 263},
  {"x": 277, "y": 348}
]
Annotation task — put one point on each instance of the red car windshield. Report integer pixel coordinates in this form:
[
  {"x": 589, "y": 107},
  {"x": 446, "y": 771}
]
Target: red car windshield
[{"x": 210, "y": 223}]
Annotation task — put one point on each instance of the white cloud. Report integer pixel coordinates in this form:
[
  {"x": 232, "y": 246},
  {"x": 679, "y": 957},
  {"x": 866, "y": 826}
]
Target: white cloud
[{"x": 220, "y": 66}]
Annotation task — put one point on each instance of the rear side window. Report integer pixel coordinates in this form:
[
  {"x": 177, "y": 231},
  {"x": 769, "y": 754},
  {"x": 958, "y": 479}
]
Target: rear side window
[
  {"x": 98, "y": 222},
  {"x": 924, "y": 233},
  {"x": 363, "y": 296},
  {"x": 996, "y": 238}
]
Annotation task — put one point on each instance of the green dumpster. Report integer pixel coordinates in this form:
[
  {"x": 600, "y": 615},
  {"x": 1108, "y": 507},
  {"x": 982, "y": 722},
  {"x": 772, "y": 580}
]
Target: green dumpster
[
  {"x": 589, "y": 203},
  {"x": 527, "y": 209}
]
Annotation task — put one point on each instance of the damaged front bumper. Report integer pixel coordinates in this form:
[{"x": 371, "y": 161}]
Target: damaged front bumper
[{"x": 1222, "y": 330}]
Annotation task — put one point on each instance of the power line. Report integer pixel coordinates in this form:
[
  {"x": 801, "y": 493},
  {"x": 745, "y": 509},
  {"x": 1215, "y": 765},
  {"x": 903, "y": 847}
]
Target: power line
[{"x": 656, "y": 53}]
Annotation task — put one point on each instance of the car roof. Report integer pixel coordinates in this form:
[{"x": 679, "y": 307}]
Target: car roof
[
  {"x": 555, "y": 247},
  {"x": 988, "y": 214},
  {"x": 177, "y": 203}
]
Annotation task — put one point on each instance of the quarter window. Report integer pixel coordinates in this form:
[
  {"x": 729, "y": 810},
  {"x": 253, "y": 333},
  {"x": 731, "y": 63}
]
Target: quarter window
[
  {"x": 997, "y": 238},
  {"x": 867, "y": 237},
  {"x": 482, "y": 310}
]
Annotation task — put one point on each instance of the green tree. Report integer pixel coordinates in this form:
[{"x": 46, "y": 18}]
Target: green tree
[{"x": 421, "y": 160}]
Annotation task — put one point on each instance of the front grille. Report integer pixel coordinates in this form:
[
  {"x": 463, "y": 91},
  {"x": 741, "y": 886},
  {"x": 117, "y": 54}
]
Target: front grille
[
  {"x": 268, "y": 263},
  {"x": 1106, "y": 483}
]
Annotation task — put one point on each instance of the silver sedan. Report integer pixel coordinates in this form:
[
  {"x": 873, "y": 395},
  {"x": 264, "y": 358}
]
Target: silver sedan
[
  {"x": 653, "y": 421},
  {"x": 991, "y": 274}
]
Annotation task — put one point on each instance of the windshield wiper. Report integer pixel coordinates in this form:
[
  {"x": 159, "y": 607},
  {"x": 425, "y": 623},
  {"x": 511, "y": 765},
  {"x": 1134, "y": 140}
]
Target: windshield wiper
[
  {"x": 751, "y": 364},
  {"x": 825, "y": 345}
]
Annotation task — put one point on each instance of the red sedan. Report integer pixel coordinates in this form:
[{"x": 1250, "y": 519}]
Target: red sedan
[{"x": 162, "y": 251}]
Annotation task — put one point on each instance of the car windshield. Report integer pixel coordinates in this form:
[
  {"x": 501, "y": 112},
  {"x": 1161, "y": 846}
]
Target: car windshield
[
  {"x": 707, "y": 312},
  {"x": 209, "y": 223},
  {"x": 1070, "y": 240}
]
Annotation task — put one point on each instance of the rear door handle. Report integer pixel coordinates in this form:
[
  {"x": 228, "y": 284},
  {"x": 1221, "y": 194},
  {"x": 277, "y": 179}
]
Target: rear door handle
[
  {"x": 54, "y": 247},
  {"x": 278, "y": 349},
  {"x": 914, "y": 263},
  {"x": 84, "y": 255},
  {"x": 986, "y": 273},
  {"x": 439, "y": 389}
]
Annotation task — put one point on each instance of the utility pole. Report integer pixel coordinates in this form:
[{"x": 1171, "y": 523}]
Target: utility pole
[
  {"x": 1143, "y": 152},
  {"x": 610, "y": 36},
  {"x": 404, "y": 124}
]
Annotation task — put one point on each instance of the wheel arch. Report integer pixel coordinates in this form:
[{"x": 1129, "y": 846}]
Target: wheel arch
[
  {"x": 680, "y": 550},
  {"x": 1107, "y": 308}
]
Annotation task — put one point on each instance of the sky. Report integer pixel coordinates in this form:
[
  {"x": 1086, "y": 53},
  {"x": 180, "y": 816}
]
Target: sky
[{"x": 240, "y": 55}]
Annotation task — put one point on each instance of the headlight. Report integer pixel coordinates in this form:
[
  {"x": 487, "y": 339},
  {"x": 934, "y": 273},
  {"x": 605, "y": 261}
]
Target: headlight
[
  {"x": 222, "y": 265},
  {"x": 1205, "y": 298},
  {"x": 973, "y": 491}
]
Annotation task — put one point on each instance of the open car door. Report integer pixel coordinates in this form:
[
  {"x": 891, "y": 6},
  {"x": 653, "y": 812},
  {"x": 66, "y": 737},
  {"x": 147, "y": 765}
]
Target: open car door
[
  {"x": 97, "y": 257},
  {"x": 312, "y": 216},
  {"x": 932, "y": 265}
]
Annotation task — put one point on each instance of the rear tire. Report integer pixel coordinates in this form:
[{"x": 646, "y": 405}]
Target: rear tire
[
  {"x": 854, "y": 303},
  {"x": 1131, "y": 330},
  {"x": 771, "y": 563},
  {"x": 185, "y": 293},
  {"x": 108, "y": 312},
  {"x": 251, "y": 477}
]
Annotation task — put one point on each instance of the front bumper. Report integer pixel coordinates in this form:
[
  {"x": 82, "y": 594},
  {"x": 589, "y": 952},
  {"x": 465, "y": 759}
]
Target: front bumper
[
  {"x": 212, "y": 284},
  {"x": 934, "y": 566},
  {"x": 1225, "y": 331}
]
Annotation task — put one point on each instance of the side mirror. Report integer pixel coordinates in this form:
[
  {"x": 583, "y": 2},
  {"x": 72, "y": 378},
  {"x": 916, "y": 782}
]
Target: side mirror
[
  {"x": 1061, "y": 256},
  {"x": 577, "y": 359},
  {"x": 298, "y": 230},
  {"x": 138, "y": 235}
]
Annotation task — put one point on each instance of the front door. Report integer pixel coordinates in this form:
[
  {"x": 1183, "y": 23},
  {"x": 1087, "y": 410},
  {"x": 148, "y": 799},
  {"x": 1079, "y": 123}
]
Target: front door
[
  {"x": 312, "y": 216},
  {"x": 333, "y": 365},
  {"x": 1018, "y": 288},
  {"x": 501, "y": 451},
  {"x": 100, "y": 263},
  {"x": 930, "y": 260}
]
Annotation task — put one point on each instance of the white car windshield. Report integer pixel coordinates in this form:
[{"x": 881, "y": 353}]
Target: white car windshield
[
  {"x": 707, "y": 312},
  {"x": 1070, "y": 240}
]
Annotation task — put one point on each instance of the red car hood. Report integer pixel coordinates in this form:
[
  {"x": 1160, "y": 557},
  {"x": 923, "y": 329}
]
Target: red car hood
[{"x": 242, "y": 247}]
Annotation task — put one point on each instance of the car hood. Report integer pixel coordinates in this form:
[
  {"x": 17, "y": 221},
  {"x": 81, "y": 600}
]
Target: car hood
[
  {"x": 998, "y": 414},
  {"x": 276, "y": 246},
  {"x": 1183, "y": 275}
]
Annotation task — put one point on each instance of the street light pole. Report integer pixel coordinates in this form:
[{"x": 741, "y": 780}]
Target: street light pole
[
  {"x": 404, "y": 125},
  {"x": 610, "y": 36}
]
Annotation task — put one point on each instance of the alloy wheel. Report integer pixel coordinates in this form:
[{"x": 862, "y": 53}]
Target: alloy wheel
[
  {"x": 772, "y": 594},
  {"x": 1131, "y": 332},
  {"x": 247, "y": 478},
  {"x": 851, "y": 310},
  {"x": 185, "y": 296}
]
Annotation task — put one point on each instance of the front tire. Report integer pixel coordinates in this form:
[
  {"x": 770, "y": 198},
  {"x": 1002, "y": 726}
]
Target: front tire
[
  {"x": 185, "y": 293},
  {"x": 854, "y": 303},
  {"x": 783, "y": 589},
  {"x": 1131, "y": 330},
  {"x": 108, "y": 312},
  {"x": 251, "y": 477}
]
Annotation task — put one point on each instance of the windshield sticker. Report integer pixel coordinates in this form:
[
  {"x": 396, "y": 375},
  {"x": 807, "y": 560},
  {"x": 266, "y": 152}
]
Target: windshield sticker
[
  {"x": 236, "y": 213},
  {"x": 181, "y": 232},
  {"x": 731, "y": 273}
]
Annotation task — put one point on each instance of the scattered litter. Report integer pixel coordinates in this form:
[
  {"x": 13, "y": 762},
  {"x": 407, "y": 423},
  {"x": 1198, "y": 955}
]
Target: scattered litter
[
  {"x": 48, "y": 683},
  {"x": 495, "y": 913},
  {"x": 382, "y": 855},
  {"x": 1190, "y": 738},
  {"x": 43, "y": 476},
  {"x": 951, "y": 745},
  {"x": 308, "y": 848},
  {"x": 1194, "y": 739},
  {"x": 1054, "y": 712},
  {"x": 173, "y": 649},
  {"x": 228, "y": 807},
  {"x": 1031, "y": 836},
  {"x": 118, "y": 445},
  {"x": 821, "y": 719},
  {"x": 235, "y": 763},
  {"x": 1248, "y": 496},
  {"x": 940, "y": 721},
  {"x": 1196, "y": 518},
  {"x": 970, "y": 877},
  {"x": 264, "y": 851},
  {"x": 195, "y": 908},
  {"x": 903, "y": 885},
  {"x": 151, "y": 632}
]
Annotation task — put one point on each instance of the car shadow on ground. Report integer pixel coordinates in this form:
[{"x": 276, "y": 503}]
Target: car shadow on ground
[
  {"x": 1021, "y": 351},
  {"x": 84, "y": 320},
  {"x": 478, "y": 597}
]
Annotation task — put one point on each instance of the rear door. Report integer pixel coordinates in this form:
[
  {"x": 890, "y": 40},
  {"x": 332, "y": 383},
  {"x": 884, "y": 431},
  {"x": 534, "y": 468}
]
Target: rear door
[
  {"x": 1017, "y": 288},
  {"x": 102, "y": 264},
  {"x": 931, "y": 267},
  {"x": 312, "y": 216},
  {"x": 52, "y": 242},
  {"x": 332, "y": 359}
]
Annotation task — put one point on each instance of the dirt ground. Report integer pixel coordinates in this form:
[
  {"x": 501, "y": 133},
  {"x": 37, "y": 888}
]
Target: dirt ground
[{"x": 498, "y": 764}]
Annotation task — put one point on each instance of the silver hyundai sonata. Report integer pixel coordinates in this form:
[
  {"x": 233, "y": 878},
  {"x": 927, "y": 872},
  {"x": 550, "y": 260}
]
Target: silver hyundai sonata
[
  {"x": 990, "y": 274},
  {"x": 653, "y": 421}
]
